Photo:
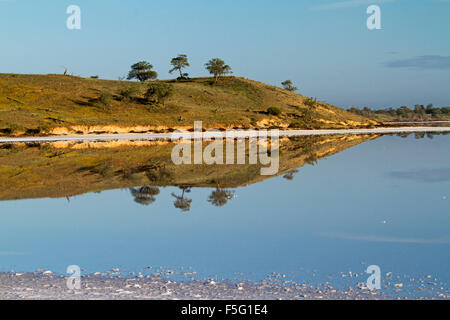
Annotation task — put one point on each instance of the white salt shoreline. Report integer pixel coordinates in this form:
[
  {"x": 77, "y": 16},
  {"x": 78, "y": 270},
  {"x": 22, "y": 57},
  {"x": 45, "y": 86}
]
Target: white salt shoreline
[{"x": 221, "y": 134}]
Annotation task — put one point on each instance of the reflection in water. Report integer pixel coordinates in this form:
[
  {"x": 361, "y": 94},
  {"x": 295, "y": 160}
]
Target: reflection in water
[
  {"x": 290, "y": 175},
  {"x": 220, "y": 196},
  {"x": 55, "y": 170},
  {"x": 182, "y": 203},
  {"x": 421, "y": 135},
  {"x": 145, "y": 195},
  {"x": 353, "y": 213}
]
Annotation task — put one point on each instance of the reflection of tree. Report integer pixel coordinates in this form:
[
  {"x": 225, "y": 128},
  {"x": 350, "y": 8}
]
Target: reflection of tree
[
  {"x": 429, "y": 135},
  {"x": 420, "y": 135},
  {"x": 182, "y": 203},
  {"x": 145, "y": 195},
  {"x": 290, "y": 175},
  {"x": 220, "y": 196},
  {"x": 404, "y": 134}
]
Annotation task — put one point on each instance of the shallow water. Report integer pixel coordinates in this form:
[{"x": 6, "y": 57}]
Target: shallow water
[{"x": 384, "y": 202}]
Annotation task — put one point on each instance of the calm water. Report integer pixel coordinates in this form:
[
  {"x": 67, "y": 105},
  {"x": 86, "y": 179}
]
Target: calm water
[{"x": 384, "y": 202}]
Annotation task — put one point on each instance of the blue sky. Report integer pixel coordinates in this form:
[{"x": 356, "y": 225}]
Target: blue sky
[{"x": 323, "y": 46}]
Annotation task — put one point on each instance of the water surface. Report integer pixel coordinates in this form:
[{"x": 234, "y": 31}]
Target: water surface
[{"x": 384, "y": 202}]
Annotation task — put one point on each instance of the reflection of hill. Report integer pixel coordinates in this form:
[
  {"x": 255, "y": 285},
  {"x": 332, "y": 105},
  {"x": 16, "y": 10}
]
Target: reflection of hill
[{"x": 60, "y": 170}]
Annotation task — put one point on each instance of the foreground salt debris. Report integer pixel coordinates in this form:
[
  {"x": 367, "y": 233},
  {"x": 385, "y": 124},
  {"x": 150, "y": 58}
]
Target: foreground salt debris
[
  {"x": 17, "y": 286},
  {"x": 31, "y": 286}
]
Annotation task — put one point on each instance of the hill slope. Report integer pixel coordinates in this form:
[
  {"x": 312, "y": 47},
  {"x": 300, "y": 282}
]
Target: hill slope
[{"x": 56, "y": 104}]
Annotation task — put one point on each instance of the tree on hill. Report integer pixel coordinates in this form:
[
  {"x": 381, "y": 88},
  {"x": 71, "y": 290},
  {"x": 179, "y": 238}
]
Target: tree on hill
[
  {"x": 179, "y": 63},
  {"x": 218, "y": 68},
  {"x": 142, "y": 71},
  {"x": 288, "y": 85},
  {"x": 419, "y": 110},
  {"x": 404, "y": 111}
]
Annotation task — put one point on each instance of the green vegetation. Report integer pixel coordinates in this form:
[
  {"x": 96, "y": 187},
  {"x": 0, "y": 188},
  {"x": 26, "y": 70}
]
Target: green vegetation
[
  {"x": 142, "y": 71},
  {"x": 288, "y": 85},
  {"x": 105, "y": 100},
  {"x": 128, "y": 94},
  {"x": 310, "y": 102},
  {"x": 178, "y": 64},
  {"x": 419, "y": 113},
  {"x": 158, "y": 92},
  {"x": 217, "y": 68},
  {"x": 275, "y": 111}
]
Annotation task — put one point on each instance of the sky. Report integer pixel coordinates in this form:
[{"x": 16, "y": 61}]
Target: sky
[{"x": 323, "y": 46}]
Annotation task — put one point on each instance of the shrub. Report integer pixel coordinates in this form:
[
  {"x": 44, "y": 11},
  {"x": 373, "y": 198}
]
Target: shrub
[
  {"x": 275, "y": 111},
  {"x": 44, "y": 128},
  {"x": 105, "y": 99},
  {"x": 129, "y": 93},
  {"x": 158, "y": 92},
  {"x": 310, "y": 102},
  {"x": 12, "y": 128}
]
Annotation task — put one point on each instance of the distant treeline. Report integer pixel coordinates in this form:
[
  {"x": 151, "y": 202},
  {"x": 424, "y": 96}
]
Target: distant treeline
[{"x": 419, "y": 112}]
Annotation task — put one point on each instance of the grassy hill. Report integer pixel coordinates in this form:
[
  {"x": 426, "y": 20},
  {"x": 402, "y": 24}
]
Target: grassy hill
[{"x": 57, "y": 104}]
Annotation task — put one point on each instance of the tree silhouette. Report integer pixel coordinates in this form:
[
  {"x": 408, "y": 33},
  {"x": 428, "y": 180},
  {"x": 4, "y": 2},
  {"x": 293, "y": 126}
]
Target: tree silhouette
[
  {"x": 220, "y": 197},
  {"x": 145, "y": 195},
  {"x": 288, "y": 85},
  {"x": 182, "y": 203},
  {"x": 142, "y": 71},
  {"x": 217, "y": 68},
  {"x": 179, "y": 63}
]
